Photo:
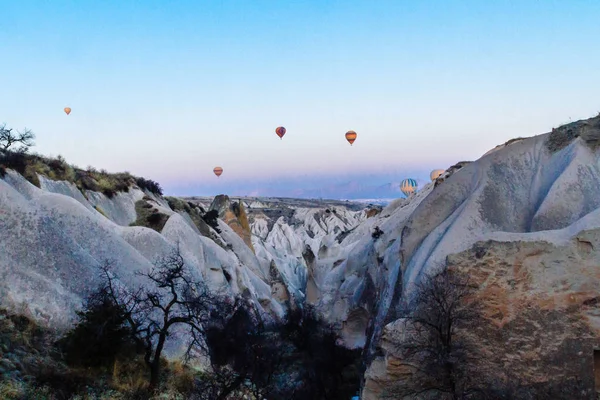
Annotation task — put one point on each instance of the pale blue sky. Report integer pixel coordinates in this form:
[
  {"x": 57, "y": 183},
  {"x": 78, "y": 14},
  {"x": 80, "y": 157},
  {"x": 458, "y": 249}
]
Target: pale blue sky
[{"x": 170, "y": 89}]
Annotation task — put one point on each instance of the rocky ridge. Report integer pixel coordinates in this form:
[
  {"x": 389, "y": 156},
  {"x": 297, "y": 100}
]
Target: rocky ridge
[
  {"x": 54, "y": 238},
  {"x": 523, "y": 220}
]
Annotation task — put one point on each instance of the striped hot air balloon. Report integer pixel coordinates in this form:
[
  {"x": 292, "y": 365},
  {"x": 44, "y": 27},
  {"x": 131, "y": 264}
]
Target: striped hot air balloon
[
  {"x": 436, "y": 174},
  {"x": 218, "y": 171},
  {"x": 280, "y": 131},
  {"x": 351, "y": 137},
  {"x": 408, "y": 186}
]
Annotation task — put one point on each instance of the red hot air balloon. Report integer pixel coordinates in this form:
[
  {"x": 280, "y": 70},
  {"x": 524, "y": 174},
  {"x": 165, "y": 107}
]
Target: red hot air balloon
[
  {"x": 351, "y": 137},
  {"x": 218, "y": 171},
  {"x": 280, "y": 131}
]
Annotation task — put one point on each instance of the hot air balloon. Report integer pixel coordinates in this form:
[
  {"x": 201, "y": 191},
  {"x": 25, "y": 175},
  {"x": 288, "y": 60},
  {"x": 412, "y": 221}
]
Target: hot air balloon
[
  {"x": 280, "y": 131},
  {"x": 408, "y": 186},
  {"x": 351, "y": 137},
  {"x": 436, "y": 174},
  {"x": 218, "y": 171},
  {"x": 68, "y": 110}
]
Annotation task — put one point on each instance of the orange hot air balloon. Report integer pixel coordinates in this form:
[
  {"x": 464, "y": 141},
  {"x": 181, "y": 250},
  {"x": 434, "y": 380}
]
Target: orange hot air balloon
[
  {"x": 351, "y": 137},
  {"x": 280, "y": 131},
  {"x": 218, "y": 171},
  {"x": 68, "y": 110}
]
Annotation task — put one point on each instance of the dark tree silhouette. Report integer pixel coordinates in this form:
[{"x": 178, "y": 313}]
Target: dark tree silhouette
[
  {"x": 301, "y": 359},
  {"x": 173, "y": 298},
  {"x": 101, "y": 336},
  {"x": 432, "y": 343},
  {"x": 252, "y": 349},
  {"x": 149, "y": 184},
  {"x": 211, "y": 218},
  {"x": 376, "y": 233},
  {"x": 9, "y": 140},
  {"x": 219, "y": 384},
  {"x": 329, "y": 370}
]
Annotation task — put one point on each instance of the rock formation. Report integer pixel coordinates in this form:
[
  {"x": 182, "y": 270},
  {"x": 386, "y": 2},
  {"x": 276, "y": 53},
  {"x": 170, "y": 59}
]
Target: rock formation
[
  {"x": 54, "y": 238},
  {"x": 523, "y": 221},
  {"x": 234, "y": 215}
]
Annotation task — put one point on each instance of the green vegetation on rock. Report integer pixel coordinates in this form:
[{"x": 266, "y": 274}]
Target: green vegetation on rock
[
  {"x": 195, "y": 212},
  {"x": 149, "y": 216},
  {"x": 32, "y": 165}
]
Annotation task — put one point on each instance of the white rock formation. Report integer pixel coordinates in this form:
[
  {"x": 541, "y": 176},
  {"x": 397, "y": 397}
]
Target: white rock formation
[
  {"x": 543, "y": 190},
  {"x": 353, "y": 263},
  {"x": 53, "y": 242}
]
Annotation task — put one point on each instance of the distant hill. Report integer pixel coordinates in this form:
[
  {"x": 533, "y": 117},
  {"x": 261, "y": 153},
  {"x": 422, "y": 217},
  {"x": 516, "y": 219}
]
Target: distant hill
[{"x": 352, "y": 190}]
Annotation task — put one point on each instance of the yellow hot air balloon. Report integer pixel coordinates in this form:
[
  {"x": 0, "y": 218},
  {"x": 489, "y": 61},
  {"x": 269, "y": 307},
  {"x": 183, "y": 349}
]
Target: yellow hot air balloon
[
  {"x": 436, "y": 174},
  {"x": 68, "y": 110},
  {"x": 351, "y": 137},
  {"x": 408, "y": 186},
  {"x": 218, "y": 171}
]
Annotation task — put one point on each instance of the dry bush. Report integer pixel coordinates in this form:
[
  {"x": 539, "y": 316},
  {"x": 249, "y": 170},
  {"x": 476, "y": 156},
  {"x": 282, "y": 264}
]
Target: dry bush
[
  {"x": 30, "y": 165},
  {"x": 130, "y": 376},
  {"x": 442, "y": 362}
]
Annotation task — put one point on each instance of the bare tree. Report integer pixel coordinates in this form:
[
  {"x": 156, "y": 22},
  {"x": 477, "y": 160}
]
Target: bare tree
[
  {"x": 300, "y": 359},
  {"x": 432, "y": 344},
  {"x": 8, "y": 139},
  {"x": 252, "y": 348},
  {"x": 173, "y": 298},
  {"x": 219, "y": 385},
  {"x": 264, "y": 359}
]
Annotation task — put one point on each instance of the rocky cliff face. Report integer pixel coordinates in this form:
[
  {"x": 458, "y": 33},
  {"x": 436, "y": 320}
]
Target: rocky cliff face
[
  {"x": 296, "y": 242},
  {"x": 523, "y": 221},
  {"x": 53, "y": 239}
]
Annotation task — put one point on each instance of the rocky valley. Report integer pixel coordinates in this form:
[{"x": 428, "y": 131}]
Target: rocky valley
[{"x": 522, "y": 222}]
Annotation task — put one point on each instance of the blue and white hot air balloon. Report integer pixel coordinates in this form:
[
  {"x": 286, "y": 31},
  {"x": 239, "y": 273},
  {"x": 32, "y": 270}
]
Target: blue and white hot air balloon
[{"x": 408, "y": 186}]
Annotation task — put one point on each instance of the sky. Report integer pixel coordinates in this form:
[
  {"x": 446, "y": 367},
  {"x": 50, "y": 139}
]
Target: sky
[{"x": 170, "y": 89}]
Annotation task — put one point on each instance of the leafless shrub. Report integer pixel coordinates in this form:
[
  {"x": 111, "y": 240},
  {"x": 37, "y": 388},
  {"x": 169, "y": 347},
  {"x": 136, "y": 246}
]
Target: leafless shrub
[
  {"x": 442, "y": 362},
  {"x": 19, "y": 142}
]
